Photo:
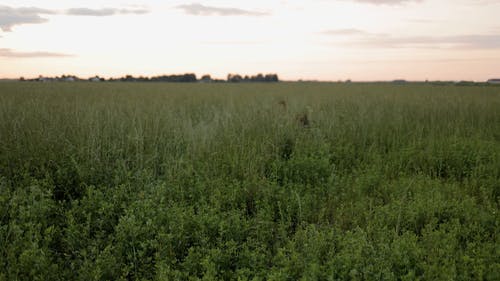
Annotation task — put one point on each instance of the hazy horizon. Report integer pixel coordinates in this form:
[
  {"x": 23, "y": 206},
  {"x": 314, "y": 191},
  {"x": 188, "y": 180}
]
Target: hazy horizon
[
  {"x": 361, "y": 40},
  {"x": 199, "y": 76}
]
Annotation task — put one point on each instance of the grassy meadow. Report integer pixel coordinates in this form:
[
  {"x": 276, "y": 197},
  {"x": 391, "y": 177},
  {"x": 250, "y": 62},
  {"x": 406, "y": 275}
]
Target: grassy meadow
[{"x": 284, "y": 181}]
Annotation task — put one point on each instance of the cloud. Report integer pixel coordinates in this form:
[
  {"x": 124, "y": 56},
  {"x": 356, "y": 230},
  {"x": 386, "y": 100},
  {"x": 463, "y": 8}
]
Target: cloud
[
  {"x": 9, "y": 53},
  {"x": 385, "y": 2},
  {"x": 346, "y": 31},
  {"x": 469, "y": 41},
  {"x": 104, "y": 12},
  {"x": 10, "y": 17},
  {"x": 365, "y": 39},
  {"x": 201, "y": 10}
]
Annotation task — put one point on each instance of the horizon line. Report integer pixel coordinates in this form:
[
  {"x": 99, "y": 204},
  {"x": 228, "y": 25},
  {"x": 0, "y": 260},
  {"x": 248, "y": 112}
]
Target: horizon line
[{"x": 217, "y": 79}]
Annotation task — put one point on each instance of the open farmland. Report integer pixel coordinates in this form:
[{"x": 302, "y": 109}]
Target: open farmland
[{"x": 319, "y": 181}]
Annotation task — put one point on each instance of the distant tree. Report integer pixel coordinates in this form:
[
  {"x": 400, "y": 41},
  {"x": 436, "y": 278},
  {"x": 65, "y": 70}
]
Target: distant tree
[
  {"x": 234, "y": 78},
  {"x": 206, "y": 78},
  {"x": 143, "y": 79},
  {"x": 188, "y": 77},
  {"x": 128, "y": 78},
  {"x": 271, "y": 78},
  {"x": 258, "y": 78}
]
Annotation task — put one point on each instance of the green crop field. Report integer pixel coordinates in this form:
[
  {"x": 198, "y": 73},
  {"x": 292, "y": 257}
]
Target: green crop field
[{"x": 284, "y": 181}]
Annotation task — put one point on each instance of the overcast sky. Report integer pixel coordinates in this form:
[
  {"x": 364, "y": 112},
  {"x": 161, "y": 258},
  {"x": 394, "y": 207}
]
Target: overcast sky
[{"x": 298, "y": 39}]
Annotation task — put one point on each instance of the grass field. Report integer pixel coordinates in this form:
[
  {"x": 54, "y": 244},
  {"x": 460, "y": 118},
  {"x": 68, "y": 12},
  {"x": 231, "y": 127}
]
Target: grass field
[{"x": 286, "y": 181}]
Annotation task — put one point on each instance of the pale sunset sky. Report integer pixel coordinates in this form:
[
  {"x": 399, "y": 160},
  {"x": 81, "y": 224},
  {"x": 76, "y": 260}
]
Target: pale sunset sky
[{"x": 361, "y": 40}]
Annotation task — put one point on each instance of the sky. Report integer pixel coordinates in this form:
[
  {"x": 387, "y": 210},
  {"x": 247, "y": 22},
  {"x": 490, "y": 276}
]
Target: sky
[{"x": 361, "y": 40}]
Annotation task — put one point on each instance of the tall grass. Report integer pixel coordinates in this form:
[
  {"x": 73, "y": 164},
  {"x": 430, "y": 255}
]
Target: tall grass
[{"x": 109, "y": 181}]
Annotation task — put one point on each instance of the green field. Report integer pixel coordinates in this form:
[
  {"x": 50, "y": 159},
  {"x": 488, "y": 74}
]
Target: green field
[{"x": 285, "y": 181}]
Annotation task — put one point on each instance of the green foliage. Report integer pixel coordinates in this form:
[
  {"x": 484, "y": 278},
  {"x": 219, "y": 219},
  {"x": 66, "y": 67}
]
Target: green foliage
[{"x": 228, "y": 182}]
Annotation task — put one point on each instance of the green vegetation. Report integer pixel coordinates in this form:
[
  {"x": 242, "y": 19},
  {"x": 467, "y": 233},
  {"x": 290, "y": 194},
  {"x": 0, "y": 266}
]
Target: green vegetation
[{"x": 288, "y": 181}]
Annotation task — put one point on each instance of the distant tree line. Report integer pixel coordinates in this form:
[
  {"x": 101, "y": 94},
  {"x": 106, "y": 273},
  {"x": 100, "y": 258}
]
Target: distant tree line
[
  {"x": 185, "y": 78},
  {"x": 256, "y": 78},
  {"x": 178, "y": 78}
]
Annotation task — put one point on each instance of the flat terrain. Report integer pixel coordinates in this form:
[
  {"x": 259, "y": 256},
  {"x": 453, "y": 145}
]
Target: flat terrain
[{"x": 285, "y": 181}]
